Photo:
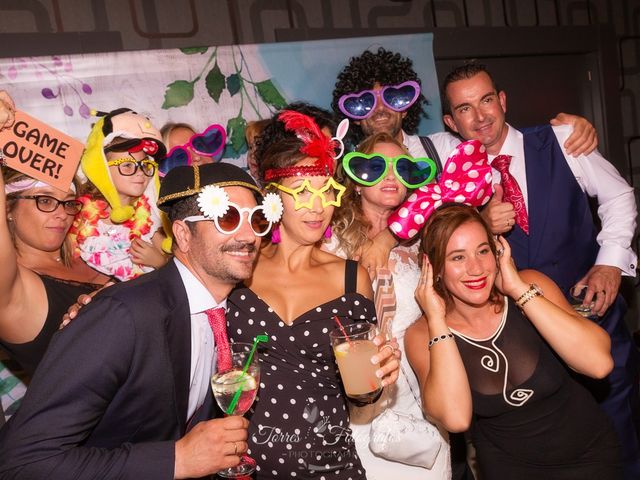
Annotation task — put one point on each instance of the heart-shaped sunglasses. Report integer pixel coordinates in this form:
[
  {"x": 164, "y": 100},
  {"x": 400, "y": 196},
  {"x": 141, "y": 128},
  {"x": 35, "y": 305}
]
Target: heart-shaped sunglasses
[
  {"x": 396, "y": 97},
  {"x": 370, "y": 169},
  {"x": 208, "y": 143}
]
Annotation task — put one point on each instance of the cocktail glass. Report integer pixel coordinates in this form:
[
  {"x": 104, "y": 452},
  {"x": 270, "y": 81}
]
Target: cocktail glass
[
  {"x": 577, "y": 299},
  {"x": 236, "y": 391},
  {"x": 353, "y": 348}
]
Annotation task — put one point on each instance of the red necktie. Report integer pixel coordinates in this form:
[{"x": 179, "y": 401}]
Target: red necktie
[
  {"x": 512, "y": 192},
  {"x": 218, "y": 324}
]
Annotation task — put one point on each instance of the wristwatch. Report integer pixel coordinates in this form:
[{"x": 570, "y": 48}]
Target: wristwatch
[{"x": 534, "y": 291}]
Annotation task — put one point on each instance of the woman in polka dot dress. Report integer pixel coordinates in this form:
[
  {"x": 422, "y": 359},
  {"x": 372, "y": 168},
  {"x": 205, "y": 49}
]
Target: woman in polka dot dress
[{"x": 299, "y": 422}]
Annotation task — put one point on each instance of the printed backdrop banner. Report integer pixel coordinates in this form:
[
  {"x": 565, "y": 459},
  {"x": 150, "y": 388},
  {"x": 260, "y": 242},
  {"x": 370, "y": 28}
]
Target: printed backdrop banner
[{"x": 228, "y": 85}]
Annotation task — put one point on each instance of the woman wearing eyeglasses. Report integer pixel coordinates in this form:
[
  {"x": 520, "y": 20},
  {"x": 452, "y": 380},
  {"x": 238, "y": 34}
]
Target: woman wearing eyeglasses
[
  {"x": 119, "y": 231},
  {"x": 299, "y": 423},
  {"x": 378, "y": 177},
  {"x": 39, "y": 278}
]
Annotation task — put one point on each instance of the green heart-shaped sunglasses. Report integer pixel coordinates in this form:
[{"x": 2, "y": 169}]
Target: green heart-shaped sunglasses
[{"x": 370, "y": 169}]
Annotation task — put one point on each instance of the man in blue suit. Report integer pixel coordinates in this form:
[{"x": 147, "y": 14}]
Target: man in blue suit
[{"x": 541, "y": 206}]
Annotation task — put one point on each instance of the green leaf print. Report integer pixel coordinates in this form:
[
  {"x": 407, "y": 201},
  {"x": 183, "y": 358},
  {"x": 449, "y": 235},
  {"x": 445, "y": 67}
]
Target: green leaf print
[
  {"x": 194, "y": 50},
  {"x": 215, "y": 83},
  {"x": 178, "y": 94},
  {"x": 235, "y": 132},
  {"x": 234, "y": 82},
  {"x": 270, "y": 94}
]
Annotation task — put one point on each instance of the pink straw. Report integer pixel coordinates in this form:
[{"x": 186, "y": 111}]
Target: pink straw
[{"x": 335, "y": 317}]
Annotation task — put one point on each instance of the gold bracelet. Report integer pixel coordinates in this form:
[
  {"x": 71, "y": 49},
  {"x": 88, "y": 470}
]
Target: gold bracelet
[{"x": 534, "y": 291}]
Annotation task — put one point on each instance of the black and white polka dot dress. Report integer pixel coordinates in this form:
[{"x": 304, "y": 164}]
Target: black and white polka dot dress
[{"x": 299, "y": 422}]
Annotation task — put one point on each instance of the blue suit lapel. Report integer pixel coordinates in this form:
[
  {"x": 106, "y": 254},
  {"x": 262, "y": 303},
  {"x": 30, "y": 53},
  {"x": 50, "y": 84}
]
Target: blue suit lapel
[{"x": 178, "y": 327}]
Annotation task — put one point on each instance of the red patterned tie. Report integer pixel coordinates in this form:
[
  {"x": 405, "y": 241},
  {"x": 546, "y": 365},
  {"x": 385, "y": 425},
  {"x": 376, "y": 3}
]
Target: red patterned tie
[
  {"x": 218, "y": 324},
  {"x": 512, "y": 192}
]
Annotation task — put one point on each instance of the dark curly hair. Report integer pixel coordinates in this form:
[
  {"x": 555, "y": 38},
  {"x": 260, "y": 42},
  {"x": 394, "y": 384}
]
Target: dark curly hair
[
  {"x": 277, "y": 147},
  {"x": 383, "y": 67}
]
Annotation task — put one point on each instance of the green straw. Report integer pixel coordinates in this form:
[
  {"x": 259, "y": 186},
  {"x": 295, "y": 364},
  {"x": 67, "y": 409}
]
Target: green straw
[{"x": 236, "y": 396}]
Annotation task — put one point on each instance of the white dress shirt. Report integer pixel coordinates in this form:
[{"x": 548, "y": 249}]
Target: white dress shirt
[
  {"x": 202, "y": 341},
  {"x": 444, "y": 143},
  {"x": 598, "y": 178}
]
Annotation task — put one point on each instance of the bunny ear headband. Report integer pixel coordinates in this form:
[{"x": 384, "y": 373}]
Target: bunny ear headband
[
  {"x": 466, "y": 178},
  {"x": 316, "y": 145}
]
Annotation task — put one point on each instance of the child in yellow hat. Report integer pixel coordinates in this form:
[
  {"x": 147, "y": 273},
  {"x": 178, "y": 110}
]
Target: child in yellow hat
[{"x": 118, "y": 232}]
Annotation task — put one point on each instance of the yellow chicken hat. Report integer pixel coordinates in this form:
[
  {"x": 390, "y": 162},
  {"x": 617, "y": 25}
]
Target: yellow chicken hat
[{"x": 123, "y": 124}]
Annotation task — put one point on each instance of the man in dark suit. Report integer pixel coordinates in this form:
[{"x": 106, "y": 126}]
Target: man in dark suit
[
  {"x": 541, "y": 206},
  {"x": 119, "y": 386}
]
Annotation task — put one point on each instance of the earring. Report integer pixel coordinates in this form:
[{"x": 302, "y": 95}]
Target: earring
[
  {"x": 275, "y": 234},
  {"x": 10, "y": 219},
  {"x": 328, "y": 232},
  {"x": 438, "y": 278}
]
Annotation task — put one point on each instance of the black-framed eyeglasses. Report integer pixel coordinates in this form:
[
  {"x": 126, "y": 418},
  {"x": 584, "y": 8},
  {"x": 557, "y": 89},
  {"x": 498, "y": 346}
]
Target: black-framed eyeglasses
[
  {"x": 48, "y": 204},
  {"x": 129, "y": 166}
]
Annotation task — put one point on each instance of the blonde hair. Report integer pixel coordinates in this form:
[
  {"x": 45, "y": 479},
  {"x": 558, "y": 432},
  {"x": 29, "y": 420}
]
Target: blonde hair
[
  {"x": 11, "y": 176},
  {"x": 168, "y": 128},
  {"x": 350, "y": 224}
]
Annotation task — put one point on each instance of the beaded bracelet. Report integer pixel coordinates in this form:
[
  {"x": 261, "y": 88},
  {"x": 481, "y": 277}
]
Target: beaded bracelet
[{"x": 439, "y": 338}]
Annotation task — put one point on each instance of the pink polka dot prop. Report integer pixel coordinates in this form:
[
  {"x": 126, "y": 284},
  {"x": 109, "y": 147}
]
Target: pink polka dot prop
[{"x": 466, "y": 178}]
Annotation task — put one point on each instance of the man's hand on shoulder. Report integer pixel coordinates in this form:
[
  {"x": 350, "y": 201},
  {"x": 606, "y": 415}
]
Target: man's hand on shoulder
[
  {"x": 602, "y": 282},
  {"x": 584, "y": 138},
  {"x": 84, "y": 299},
  {"x": 211, "y": 446}
]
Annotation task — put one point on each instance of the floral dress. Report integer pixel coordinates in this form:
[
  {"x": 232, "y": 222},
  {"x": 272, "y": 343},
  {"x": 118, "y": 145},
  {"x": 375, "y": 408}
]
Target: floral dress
[{"x": 104, "y": 246}]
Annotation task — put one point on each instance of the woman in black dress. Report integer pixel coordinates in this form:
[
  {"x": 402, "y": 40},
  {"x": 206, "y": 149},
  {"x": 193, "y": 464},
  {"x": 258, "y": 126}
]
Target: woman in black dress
[
  {"x": 39, "y": 279},
  {"x": 493, "y": 352},
  {"x": 299, "y": 422}
]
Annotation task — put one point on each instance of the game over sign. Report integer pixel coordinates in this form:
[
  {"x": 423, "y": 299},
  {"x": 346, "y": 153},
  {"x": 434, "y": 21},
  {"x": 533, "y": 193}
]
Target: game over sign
[{"x": 42, "y": 152}]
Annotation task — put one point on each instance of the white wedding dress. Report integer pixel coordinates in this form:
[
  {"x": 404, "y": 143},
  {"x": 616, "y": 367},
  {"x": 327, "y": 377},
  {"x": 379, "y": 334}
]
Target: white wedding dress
[{"x": 399, "y": 397}]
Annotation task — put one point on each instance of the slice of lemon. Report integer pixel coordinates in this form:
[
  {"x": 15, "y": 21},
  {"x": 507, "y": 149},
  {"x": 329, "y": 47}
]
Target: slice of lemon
[{"x": 341, "y": 350}]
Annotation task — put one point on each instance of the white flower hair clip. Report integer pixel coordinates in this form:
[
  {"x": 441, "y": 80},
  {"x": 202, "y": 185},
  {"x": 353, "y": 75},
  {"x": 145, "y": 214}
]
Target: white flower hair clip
[
  {"x": 273, "y": 207},
  {"x": 213, "y": 201}
]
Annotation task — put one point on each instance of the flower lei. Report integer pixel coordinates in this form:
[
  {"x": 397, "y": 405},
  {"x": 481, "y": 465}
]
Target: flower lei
[
  {"x": 93, "y": 210},
  {"x": 140, "y": 223}
]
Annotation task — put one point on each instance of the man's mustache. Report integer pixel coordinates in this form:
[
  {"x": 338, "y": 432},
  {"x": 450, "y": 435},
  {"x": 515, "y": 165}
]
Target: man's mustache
[
  {"x": 240, "y": 247},
  {"x": 375, "y": 116}
]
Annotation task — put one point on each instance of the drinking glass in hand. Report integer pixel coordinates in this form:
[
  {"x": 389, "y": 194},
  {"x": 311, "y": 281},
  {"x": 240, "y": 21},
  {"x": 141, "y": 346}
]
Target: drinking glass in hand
[
  {"x": 353, "y": 347},
  {"x": 235, "y": 391},
  {"x": 577, "y": 299}
]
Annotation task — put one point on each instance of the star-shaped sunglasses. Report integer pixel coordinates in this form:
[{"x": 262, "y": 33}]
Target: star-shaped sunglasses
[
  {"x": 370, "y": 169},
  {"x": 396, "y": 97},
  {"x": 208, "y": 143},
  {"x": 304, "y": 195}
]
